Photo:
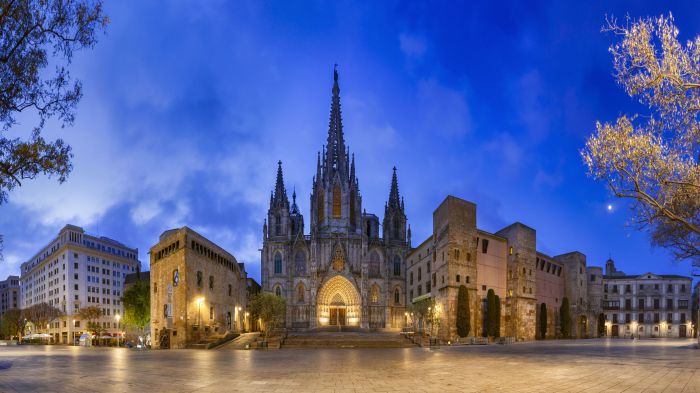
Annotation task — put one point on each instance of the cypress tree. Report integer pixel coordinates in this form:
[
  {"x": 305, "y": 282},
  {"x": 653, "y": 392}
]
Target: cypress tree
[
  {"x": 491, "y": 314},
  {"x": 497, "y": 330},
  {"x": 463, "y": 312},
  {"x": 543, "y": 321},
  {"x": 565, "y": 318}
]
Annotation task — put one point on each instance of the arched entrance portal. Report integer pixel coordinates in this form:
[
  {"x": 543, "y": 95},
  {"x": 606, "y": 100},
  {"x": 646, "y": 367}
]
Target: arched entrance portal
[{"x": 338, "y": 303}]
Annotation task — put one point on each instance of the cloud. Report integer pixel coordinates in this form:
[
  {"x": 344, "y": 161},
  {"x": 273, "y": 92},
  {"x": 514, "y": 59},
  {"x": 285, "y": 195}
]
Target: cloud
[
  {"x": 412, "y": 45},
  {"x": 443, "y": 110}
]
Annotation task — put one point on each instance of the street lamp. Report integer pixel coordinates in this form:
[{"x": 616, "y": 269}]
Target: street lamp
[{"x": 117, "y": 317}]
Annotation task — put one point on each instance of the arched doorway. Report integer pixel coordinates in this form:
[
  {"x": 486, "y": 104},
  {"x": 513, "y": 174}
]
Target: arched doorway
[{"x": 338, "y": 303}]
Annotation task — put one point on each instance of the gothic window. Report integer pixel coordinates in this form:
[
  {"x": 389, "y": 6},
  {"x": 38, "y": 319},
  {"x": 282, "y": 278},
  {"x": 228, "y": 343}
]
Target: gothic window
[
  {"x": 278, "y": 291},
  {"x": 300, "y": 293},
  {"x": 396, "y": 229},
  {"x": 374, "y": 294},
  {"x": 397, "y": 265},
  {"x": 352, "y": 207},
  {"x": 369, "y": 229},
  {"x": 374, "y": 264},
  {"x": 336, "y": 201},
  {"x": 397, "y": 297},
  {"x": 199, "y": 279},
  {"x": 320, "y": 206},
  {"x": 300, "y": 263},
  {"x": 338, "y": 260},
  {"x": 278, "y": 263},
  {"x": 278, "y": 225}
]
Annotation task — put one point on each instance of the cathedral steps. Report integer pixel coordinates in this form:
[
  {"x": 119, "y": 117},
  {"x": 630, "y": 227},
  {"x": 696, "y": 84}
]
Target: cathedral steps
[{"x": 352, "y": 339}]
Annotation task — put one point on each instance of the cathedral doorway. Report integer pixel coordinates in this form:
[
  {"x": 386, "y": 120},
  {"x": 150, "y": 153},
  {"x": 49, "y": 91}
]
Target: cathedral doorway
[{"x": 338, "y": 303}]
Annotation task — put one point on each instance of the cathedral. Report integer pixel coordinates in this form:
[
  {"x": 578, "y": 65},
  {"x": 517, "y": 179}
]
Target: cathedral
[{"x": 349, "y": 270}]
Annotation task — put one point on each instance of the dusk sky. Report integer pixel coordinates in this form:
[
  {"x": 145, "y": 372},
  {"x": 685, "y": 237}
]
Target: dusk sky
[{"x": 188, "y": 106}]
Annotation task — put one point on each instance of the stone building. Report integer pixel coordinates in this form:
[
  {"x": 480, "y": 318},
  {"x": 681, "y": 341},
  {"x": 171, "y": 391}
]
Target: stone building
[
  {"x": 646, "y": 305},
  {"x": 9, "y": 294},
  {"x": 550, "y": 290},
  {"x": 198, "y": 290},
  {"x": 77, "y": 270},
  {"x": 346, "y": 271}
]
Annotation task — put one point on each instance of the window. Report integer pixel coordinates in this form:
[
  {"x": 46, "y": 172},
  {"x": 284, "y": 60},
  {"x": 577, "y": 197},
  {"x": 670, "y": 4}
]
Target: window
[
  {"x": 300, "y": 263},
  {"x": 397, "y": 265},
  {"x": 656, "y": 304},
  {"x": 484, "y": 246},
  {"x": 374, "y": 264},
  {"x": 278, "y": 263},
  {"x": 278, "y": 291},
  {"x": 397, "y": 296},
  {"x": 199, "y": 279},
  {"x": 230, "y": 289},
  {"x": 419, "y": 275},
  {"x": 670, "y": 288},
  {"x": 683, "y": 317},
  {"x": 427, "y": 269},
  {"x": 628, "y": 304},
  {"x": 300, "y": 293},
  {"x": 641, "y": 318},
  {"x": 320, "y": 207},
  {"x": 682, "y": 288},
  {"x": 427, "y": 287},
  {"x": 211, "y": 312},
  {"x": 669, "y": 303},
  {"x": 669, "y": 317},
  {"x": 76, "y": 287},
  {"x": 614, "y": 318},
  {"x": 457, "y": 278},
  {"x": 336, "y": 201},
  {"x": 374, "y": 294},
  {"x": 628, "y": 288},
  {"x": 605, "y": 288},
  {"x": 278, "y": 225},
  {"x": 640, "y": 302},
  {"x": 420, "y": 292},
  {"x": 592, "y": 277},
  {"x": 682, "y": 304},
  {"x": 410, "y": 280}
]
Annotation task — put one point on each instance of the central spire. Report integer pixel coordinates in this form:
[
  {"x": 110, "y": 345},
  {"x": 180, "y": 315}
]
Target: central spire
[
  {"x": 394, "y": 201},
  {"x": 336, "y": 159}
]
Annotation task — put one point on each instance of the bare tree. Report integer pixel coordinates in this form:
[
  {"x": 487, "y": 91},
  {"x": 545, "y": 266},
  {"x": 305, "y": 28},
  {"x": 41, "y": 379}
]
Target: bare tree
[
  {"x": 41, "y": 314},
  {"x": 652, "y": 158}
]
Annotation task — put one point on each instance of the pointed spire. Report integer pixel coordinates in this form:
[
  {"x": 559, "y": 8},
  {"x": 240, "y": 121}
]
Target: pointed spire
[
  {"x": 295, "y": 208},
  {"x": 335, "y": 159},
  {"x": 394, "y": 201},
  {"x": 280, "y": 195},
  {"x": 352, "y": 168}
]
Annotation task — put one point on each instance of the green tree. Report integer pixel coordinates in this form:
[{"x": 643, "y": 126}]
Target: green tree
[
  {"x": 91, "y": 316},
  {"x": 652, "y": 159},
  {"x": 270, "y": 309},
  {"x": 565, "y": 318},
  {"x": 34, "y": 34},
  {"x": 543, "y": 321},
  {"x": 137, "y": 305},
  {"x": 490, "y": 328},
  {"x": 601, "y": 325},
  {"x": 497, "y": 329},
  {"x": 463, "y": 312},
  {"x": 13, "y": 323}
]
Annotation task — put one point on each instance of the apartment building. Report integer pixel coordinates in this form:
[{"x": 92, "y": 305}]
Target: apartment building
[
  {"x": 9, "y": 294},
  {"x": 77, "y": 270}
]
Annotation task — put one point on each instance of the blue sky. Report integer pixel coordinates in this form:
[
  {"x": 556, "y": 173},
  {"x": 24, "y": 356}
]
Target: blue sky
[{"x": 189, "y": 105}]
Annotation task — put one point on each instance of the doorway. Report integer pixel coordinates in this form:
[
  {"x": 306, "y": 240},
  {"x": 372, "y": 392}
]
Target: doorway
[
  {"x": 337, "y": 317},
  {"x": 682, "y": 332}
]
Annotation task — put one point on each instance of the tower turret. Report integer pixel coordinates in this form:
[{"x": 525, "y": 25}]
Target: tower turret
[
  {"x": 394, "y": 216},
  {"x": 278, "y": 214}
]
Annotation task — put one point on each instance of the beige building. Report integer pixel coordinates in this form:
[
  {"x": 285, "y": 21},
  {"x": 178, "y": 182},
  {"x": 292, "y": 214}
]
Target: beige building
[
  {"x": 77, "y": 270},
  {"x": 646, "y": 305},
  {"x": 198, "y": 290},
  {"x": 9, "y": 294}
]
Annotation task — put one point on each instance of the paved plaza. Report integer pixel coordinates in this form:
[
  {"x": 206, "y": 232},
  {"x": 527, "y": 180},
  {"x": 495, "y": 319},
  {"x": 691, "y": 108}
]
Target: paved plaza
[{"x": 553, "y": 366}]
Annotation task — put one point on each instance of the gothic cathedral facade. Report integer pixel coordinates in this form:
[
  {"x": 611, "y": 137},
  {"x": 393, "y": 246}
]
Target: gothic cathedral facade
[{"x": 348, "y": 271}]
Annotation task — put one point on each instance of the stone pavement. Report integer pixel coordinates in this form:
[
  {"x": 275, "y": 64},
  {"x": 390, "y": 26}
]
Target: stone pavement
[{"x": 552, "y": 366}]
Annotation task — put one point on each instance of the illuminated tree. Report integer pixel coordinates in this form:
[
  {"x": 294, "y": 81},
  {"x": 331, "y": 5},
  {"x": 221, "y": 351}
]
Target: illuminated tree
[
  {"x": 137, "y": 305},
  {"x": 270, "y": 309},
  {"x": 652, "y": 158}
]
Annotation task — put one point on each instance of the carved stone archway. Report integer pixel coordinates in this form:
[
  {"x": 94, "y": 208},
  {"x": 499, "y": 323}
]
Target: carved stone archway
[{"x": 338, "y": 298}]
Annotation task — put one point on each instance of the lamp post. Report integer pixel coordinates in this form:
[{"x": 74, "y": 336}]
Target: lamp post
[{"x": 118, "y": 317}]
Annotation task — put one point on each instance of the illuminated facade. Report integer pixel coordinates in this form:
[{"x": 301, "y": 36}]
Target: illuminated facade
[
  {"x": 345, "y": 272},
  {"x": 198, "y": 290}
]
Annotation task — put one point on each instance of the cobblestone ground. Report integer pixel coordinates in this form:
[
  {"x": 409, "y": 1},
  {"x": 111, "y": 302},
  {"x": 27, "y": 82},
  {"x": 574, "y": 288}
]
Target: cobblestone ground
[{"x": 553, "y": 366}]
